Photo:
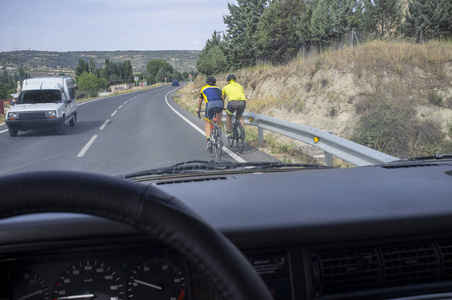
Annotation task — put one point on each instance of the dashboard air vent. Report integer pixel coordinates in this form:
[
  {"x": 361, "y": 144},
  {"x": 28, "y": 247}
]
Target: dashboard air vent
[
  {"x": 381, "y": 267},
  {"x": 346, "y": 270},
  {"x": 445, "y": 249},
  {"x": 410, "y": 263}
]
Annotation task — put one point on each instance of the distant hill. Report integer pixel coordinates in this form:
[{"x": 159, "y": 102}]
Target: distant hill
[{"x": 46, "y": 62}]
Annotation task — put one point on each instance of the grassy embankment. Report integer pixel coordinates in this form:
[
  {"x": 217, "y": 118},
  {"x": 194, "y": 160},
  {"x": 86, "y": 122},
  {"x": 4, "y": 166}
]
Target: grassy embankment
[{"x": 393, "y": 97}]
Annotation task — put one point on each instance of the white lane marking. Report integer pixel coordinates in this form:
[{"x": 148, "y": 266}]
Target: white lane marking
[
  {"x": 90, "y": 101},
  {"x": 227, "y": 150},
  {"x": 90, "y": 142},
  {"x": 114, "y": 113},
  {"x": 4, "y": 131},
  {"x": 233, "y": 155},
  {"x": 103, "y": 125},
  {"x": 120, "y": 106}
]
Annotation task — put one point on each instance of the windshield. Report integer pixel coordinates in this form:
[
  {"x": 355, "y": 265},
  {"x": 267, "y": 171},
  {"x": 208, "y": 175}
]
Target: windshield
[
  {"x": 319, "y": 83},
  {"x": 39, "y": 96}
]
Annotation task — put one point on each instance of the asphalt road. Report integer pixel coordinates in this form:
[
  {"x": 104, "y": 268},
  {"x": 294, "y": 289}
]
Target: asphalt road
[{"x": 117, "y": 135}]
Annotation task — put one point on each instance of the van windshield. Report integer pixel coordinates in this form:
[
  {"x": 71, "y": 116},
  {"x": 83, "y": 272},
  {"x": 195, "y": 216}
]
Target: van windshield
[{"x": 39, "y": 96}]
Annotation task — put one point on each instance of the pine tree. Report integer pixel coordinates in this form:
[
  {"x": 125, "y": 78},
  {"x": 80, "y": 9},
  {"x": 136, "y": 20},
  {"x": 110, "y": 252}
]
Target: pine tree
[
  {"x": 303, "y": 26},
  {"x": 329, "y": 19},
  {"x": 86, "y": 69},
  {"x": 128, "y": 71},
  {"x": 428, "y": 19},
  {"x": 382, "y": 17},
  {"x": 241, "y": 36},
  {"x": 160, "y": 76},
  {"x": 212, "y": 60},
  {"x": 92, "y": 65},
  {"x": 80, "y": 67},
  {"x": 155, "y": 66},
  {"x": 277, "y": 34}
]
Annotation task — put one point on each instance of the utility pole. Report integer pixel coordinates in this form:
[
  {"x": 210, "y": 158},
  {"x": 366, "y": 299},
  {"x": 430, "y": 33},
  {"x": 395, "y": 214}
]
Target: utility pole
[
  {"x": 353, "y": 37},
  {"x": 420, "y": 38}
]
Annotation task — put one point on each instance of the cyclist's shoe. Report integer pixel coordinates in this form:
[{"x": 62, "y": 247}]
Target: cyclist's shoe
[
  {"x": 209, "y": 145},
  {"x": 229, "y": 134}
]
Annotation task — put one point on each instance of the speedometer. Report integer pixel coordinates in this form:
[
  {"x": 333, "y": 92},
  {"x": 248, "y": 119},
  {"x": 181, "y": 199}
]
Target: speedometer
[
  {"x": 89, "y": 280},
  {"x": 30, "y": 286},
  {"x": 157, "y": 279}
]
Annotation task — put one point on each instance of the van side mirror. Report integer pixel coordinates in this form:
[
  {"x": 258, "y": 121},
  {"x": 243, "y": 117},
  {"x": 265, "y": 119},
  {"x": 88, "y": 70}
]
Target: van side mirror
[{"x": 12, "y": 102}]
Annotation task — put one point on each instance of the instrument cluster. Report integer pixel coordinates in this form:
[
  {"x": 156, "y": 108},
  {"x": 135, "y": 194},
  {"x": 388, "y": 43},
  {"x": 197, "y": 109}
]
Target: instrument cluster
[{"x": 152, "y": 274}]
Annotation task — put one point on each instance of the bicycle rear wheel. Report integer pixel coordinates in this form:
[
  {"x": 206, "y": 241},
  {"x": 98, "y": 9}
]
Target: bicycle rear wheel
[
  {"x": 212, "y": 140},
  {"x": 218, "y": 143},
  {"x": 231, "y": 137},
  {"x": 241, "y": 137}
]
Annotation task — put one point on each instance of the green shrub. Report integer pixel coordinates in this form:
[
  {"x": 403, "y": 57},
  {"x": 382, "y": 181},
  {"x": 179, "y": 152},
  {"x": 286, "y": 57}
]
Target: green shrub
[
  {"x": 384, "y": 126},
  {"x": 391, "y": 127},
  {"x": 435, "y": 99}
]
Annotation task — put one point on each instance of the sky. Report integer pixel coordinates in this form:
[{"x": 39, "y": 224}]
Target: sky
[{"x": 109, "y": 25}]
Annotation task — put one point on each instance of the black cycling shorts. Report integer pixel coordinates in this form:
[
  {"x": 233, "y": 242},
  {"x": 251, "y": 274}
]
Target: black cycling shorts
[
  {"x": 211, "y": 106},
  {"x": 236, "y": 105}
]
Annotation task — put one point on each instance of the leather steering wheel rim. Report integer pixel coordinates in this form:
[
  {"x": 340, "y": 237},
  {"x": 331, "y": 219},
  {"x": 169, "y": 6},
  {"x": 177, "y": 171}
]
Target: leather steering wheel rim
[{"x": 143, "y": 207}]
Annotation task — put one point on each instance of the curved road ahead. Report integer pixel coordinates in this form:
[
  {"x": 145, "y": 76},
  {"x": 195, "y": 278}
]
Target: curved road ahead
[{"x": 117, "y": 135}]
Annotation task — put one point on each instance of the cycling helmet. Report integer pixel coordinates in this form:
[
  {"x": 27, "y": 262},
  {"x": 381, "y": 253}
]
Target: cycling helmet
[
  {"x": 211, "y": 80},
  {"x": 231, "y": 77}
]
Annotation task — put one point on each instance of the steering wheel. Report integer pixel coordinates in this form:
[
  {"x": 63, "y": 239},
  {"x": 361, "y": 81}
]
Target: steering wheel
[{"x": 143, "y": 207}]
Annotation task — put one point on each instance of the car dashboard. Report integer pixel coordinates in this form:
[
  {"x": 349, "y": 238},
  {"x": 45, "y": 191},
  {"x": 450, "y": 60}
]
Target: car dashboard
[{"x": 377, "y": 232}]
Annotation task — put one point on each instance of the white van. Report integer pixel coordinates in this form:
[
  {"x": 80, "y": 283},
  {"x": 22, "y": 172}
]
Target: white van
[{"x": 46, "y": 102}]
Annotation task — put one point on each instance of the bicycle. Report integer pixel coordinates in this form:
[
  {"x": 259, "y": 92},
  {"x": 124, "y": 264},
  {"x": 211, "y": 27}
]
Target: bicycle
[
  {"x": 238, "y": 133},
  {"x": 215, "y": 136}
]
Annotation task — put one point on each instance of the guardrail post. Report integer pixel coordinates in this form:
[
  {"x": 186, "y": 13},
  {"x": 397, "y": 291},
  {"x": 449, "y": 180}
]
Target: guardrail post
[
  {"x": 328, "y": 157},
  {"x": 260, "y": 136},
  {"x": 328, "y": 160}
]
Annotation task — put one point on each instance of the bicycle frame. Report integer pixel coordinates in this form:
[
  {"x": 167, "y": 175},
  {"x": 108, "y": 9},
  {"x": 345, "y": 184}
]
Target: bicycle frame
[
  {"x": 238, "y": 133},
  {"x": 215, "y": 136}
]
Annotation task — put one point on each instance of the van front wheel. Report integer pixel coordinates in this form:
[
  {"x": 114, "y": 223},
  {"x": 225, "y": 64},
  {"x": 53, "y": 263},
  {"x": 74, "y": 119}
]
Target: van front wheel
[
  {"x": 61, "y": 129},
  {"x": 73, "y": 120},
  {"x": 13, "y": 132}
]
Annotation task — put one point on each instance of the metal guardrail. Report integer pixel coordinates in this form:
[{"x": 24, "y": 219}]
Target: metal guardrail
[{"x": 346, "y": 150}]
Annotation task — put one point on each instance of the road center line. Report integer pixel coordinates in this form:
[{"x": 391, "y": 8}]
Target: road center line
[
  {"x": 120, "y": 106},
  {"x": 4, "y": 131},
  {"x": 103, "y": 125},
  {"x": 114, "y": 113},
  {"x": 90, "y": 142},
  {"x": 227, "y": 150}
]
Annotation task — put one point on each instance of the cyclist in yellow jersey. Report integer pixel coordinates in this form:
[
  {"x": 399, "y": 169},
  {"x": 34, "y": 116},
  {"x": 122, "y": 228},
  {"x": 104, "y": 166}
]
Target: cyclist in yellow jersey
[
  {"x": 236, "y": 100},
  {"x": 212, "y": 95}
]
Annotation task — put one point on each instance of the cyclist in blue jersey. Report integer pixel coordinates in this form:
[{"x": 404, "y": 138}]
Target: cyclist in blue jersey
[{"x": 212, "y": 95}]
